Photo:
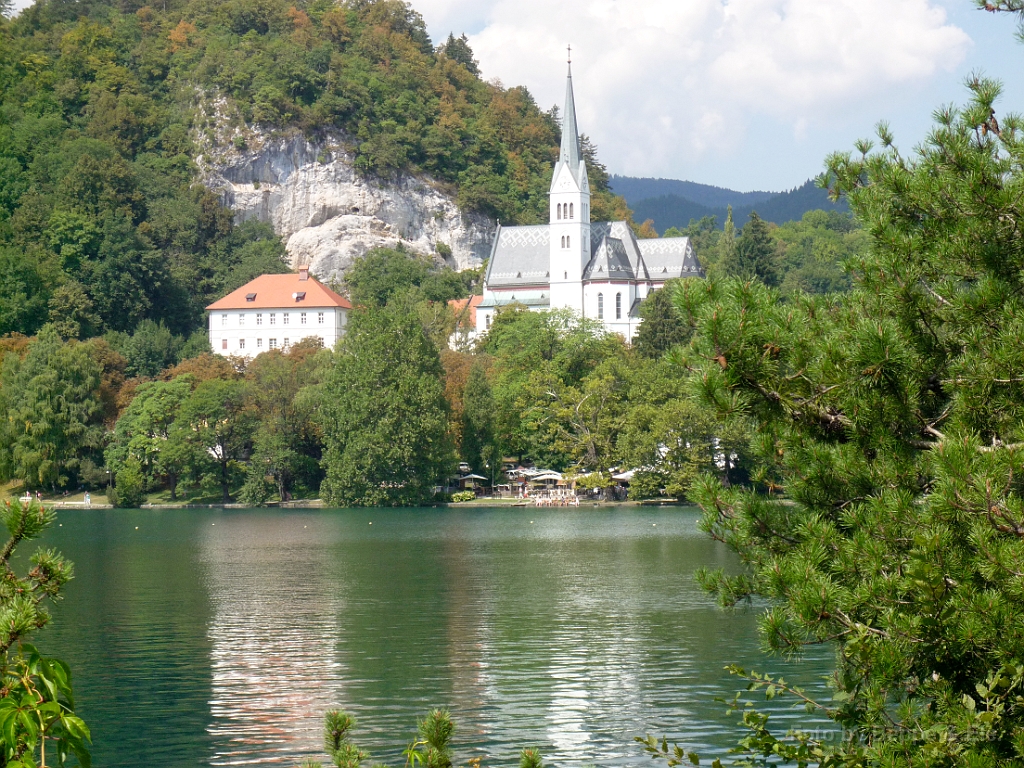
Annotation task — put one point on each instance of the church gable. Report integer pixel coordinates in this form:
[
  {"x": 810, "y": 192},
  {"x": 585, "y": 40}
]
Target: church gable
[{"x": 564, "y": 181}]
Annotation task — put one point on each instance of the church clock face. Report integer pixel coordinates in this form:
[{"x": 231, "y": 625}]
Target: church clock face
[{"x": 565, "y": 184}]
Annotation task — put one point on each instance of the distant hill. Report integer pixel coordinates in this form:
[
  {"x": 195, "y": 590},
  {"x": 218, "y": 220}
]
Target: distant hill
[
  {"x": 676, "y": 210},
  {"x": 635, "y": 190}
]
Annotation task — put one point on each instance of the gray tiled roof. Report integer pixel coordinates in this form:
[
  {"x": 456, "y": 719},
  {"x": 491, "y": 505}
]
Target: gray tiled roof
[
  {"x": 670, "y": 257},
  {"x": 609, "y": 262},
  {"x": 520, "y": 256}
]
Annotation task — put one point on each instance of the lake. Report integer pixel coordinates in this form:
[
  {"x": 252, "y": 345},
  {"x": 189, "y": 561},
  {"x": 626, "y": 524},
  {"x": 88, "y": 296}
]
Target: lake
[{"x": 219, "y": 637}]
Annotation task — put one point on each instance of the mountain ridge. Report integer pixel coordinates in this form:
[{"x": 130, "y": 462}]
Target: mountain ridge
[{"x": 673, "y": 209}]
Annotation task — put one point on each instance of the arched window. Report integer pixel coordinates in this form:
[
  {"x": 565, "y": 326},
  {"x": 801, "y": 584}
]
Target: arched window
[
  {"x": 563, "y": 241},
  {"x": 570, "y": 210},
  {"x": 559, "y": 206},
  {"x": 600, "y": 306},
  {"x": 568, "y": 244},
  {"x": 618, "y": 306},
  {"x": 566, "y": 275}
]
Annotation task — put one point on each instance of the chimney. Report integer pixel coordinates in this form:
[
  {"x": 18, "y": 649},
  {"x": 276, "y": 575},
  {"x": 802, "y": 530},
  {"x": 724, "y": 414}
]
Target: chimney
[{"x": 303, "y": 273}]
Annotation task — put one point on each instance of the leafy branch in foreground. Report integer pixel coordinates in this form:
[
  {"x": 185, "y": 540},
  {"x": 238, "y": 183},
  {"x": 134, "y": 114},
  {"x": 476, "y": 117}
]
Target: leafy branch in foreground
[
  {"x": 37, "y": 705},
  {"x": 431, "y": 749}
]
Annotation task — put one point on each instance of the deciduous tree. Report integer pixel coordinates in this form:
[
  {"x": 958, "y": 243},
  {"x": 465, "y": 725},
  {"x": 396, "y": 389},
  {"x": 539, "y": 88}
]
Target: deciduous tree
[{"x": 383, "y": 413}]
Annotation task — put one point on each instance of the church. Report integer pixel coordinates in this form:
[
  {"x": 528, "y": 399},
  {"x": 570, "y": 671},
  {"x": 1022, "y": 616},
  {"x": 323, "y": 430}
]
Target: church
[{"x": 598, "y": 269}]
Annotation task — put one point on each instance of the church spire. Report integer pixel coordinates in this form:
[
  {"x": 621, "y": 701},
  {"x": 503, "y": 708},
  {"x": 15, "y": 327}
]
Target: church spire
[{"x": 570, "y": 135}]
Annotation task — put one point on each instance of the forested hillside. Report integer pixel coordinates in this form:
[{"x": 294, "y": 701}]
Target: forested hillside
[
  {"x": 635, "y": 189},
  {"x": 678, "y": 210},
  {"x": 102, "y": 223}
]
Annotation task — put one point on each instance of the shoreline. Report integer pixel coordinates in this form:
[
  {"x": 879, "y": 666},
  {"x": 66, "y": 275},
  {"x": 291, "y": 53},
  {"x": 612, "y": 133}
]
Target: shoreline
[{"x": 319, "y": 504}]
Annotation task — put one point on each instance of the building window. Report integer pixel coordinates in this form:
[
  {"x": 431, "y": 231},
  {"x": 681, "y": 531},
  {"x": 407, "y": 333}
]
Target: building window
[
  {"x": 566, "y": 275},
  {"x": 223, "y": 319},
  {"x": 571, "y": 211},
  {"x": 618, "y": 306},
  {"x": 568, "y": 241},
  {"x": 241, "y": 343},
  {"x": 259, "y": 318},
  {"x": 487, "y": 322},
  {"x": 286, "y": 344},
  {"x": 559, "y": 207},
  {"x": 284, "y": 317},
  {"x": 241, "y": 318},
  {"x": 600, "y": 306},
  {"x": 259, "y": 343},
  {"x": 320, "y": 318},
  {"x": 302, "y": 318},
  {"x": 273, "y": 318},
  {"x": 224, "y": 344},
  {"x": 273, "y": 344}
]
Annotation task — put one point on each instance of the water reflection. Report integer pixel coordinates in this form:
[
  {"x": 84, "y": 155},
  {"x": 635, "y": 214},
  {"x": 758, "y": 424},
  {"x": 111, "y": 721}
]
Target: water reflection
[
  {"x": 273, "y": 638},
  {"x": 220, "y": 638}
]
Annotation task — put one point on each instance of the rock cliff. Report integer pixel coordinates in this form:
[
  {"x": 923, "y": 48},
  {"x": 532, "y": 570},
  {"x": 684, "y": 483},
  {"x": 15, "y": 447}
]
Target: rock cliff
[{"x": 328, "y": 215}]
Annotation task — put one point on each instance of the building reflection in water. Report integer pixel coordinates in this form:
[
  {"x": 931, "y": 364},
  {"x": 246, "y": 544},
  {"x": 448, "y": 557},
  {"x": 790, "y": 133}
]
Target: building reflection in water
[{"x": 274, "y": 636}]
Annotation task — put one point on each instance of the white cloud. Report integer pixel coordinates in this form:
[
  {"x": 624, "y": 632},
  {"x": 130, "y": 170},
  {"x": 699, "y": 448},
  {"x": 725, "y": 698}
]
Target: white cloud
[{"x": 661, "y": 84}]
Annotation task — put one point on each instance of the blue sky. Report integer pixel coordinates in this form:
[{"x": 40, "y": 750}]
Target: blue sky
[{"x": 748, "y": 94}]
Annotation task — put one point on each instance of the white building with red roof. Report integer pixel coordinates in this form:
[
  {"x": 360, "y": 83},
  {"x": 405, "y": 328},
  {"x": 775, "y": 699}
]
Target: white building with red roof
[{"x": 274, "y": 312}]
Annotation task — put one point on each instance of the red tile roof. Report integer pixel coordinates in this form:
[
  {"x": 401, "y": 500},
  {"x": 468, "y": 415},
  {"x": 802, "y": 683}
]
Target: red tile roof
[
  {"x": 459, "y": 306},
  {"x": 278, "y": 292}
]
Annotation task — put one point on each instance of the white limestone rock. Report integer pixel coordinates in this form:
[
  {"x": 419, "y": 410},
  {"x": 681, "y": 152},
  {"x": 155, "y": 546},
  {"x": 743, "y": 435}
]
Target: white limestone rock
[{"x": 326, "y": 213}]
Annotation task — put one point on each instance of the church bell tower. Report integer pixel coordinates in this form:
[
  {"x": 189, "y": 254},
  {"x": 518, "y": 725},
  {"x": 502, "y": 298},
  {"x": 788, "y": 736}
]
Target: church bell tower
[{"x": 569, "y": 214}]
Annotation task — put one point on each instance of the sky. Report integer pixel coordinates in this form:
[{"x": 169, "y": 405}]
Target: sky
[{"x": 745, "y": 94}]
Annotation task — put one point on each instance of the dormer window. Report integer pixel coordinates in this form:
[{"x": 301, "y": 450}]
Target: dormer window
[
  {"x": 300, "y": 295},
  {"x": 250, "y": 297}
]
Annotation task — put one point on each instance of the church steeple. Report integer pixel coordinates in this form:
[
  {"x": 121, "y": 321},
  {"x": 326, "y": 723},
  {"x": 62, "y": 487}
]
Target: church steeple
[
  {"x": 569, "y": 214},
  {"x": 570, "y": 154}
]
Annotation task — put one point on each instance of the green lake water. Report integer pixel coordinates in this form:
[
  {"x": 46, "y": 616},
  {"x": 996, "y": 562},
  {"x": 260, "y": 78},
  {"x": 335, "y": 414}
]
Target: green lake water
[{"x": 215, "y": 638}]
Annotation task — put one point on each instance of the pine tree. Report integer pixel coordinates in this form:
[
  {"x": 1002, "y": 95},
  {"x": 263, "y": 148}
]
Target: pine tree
[
  {"x": 754, "y": 255},
  {"x": 892, "y": 420}
]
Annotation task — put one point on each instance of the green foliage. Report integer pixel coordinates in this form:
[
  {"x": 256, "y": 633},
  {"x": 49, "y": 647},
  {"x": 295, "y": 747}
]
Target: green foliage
[
  {"x": 37, "y": 710},
  {"x": 214, "y": 428},
  {"x": 890, "y": 418},
  {"x": 460, "y": 496},
  {"x": 480, "y": 447},
  {"x": 431, "y": 749},
  {"x": 129, "y": 491},
  {"x": 457, "y": 49},
  {"x": 385, "y": 273},
  {"x": 382, "y": 273},
  {"x": 661, "y": 329},
  {"x": 49, "y": 403},
  {"x": 149, "y": 350},
  {"x": 754, "y": 255},
  {"x": 144, "y": 430},
  {"x": 383, "y": 414}
]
